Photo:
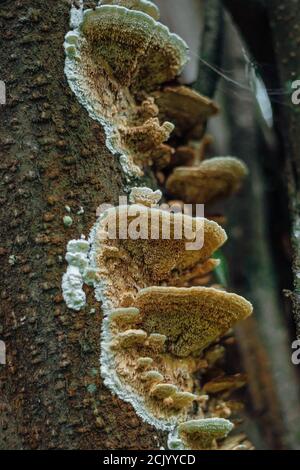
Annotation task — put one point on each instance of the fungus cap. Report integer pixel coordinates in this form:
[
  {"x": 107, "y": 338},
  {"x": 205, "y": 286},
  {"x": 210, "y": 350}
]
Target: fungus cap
[
  {"x": 162, "y": 253},
  {"x": 182, "y": 399},
  {"x": 152, "y": 376},
  {"x": 196, "y": 273},
  {"x": 130, "y": 338},
  {"x": 204, "y": 432},
  {"x": 213, "y": 179},
  {"x": 124, "y": 316},
  {"x": 144, "y": 362},
  {"x": 157, "y": 342},
  {"x": 190, "y": 318},
  {"x": 186, "y": 108},
  {"x": 161, "y": 391},
  {"x": 134, "y": 48}
]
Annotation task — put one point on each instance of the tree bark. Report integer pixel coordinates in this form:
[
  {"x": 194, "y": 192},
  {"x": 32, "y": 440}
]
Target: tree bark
[{"x": 52, "y": 156}]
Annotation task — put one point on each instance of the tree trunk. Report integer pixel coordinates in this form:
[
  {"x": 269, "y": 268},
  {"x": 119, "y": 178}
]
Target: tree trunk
[
  {"x": 54, "y": 163},
  {"x": 53, "y": 157}
]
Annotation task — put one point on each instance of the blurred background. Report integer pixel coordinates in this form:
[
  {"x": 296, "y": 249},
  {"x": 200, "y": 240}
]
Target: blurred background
[{"x": 259, "y": 253}]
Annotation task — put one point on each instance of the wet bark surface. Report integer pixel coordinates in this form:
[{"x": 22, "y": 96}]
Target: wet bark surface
[{"x": 52, "y": 156}]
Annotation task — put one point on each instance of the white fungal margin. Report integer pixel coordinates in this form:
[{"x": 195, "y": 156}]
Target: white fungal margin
[
  {"x": 83, "y": 268},
  {"x": 74, "y": 40}
]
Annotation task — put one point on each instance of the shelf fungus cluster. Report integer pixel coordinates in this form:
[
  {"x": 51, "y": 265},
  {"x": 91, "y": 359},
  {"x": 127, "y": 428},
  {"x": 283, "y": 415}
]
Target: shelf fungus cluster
[
  {"x": 164, "y": 320},
  {"x": 157, "y": 333},
  {"x": 119, "y": 62},
  {"x": 157, "y": 338}
]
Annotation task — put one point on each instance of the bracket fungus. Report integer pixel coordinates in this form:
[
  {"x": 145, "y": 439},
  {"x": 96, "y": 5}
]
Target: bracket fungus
[
  {"x": 191, "y": 318},
  {"x": 153, "y": 332},
  {"x": 150, "y": 273},
  {"x": 79, "y": 272},
  {"x": 203, "y": 434},
  {"x": 186, "y": 109},
  {"x": 145, "y": 196},
  {"x": 155, "y": 248},
  {"x": 118, "y": 60},
  {"x": 116, "y": 55},
  {"x": 213, "y": 179}
]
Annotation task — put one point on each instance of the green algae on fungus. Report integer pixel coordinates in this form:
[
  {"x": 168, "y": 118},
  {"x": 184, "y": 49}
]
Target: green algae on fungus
[{"x": 152, "y": 335}]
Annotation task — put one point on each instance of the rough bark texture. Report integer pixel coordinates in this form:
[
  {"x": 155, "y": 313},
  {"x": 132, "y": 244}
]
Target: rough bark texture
[{"x": 52, "y": 155}]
